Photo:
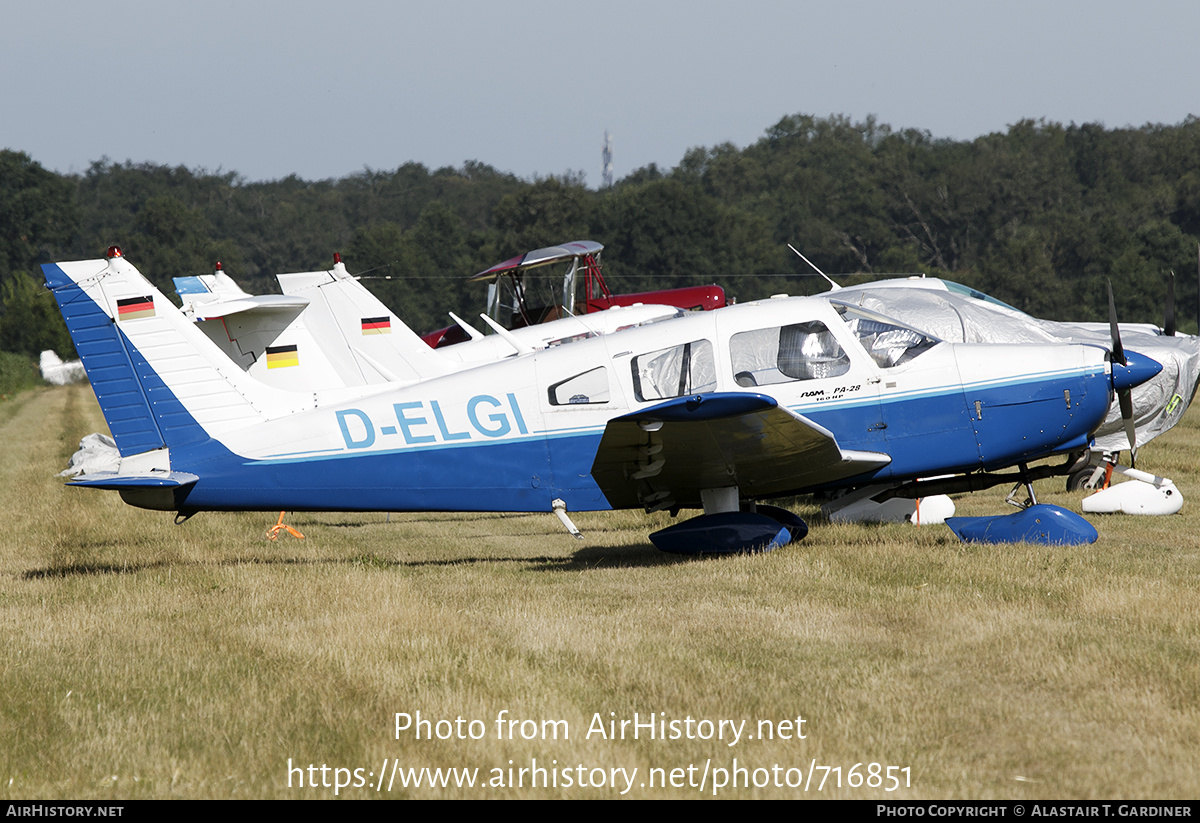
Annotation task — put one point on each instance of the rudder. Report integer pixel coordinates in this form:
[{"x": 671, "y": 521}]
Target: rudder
[{"x": 160, "y": 382}]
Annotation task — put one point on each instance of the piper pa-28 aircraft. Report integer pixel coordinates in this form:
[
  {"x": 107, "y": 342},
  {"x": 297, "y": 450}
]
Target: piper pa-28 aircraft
[
  {"x": 716, "y": 410},
  {"x": 957, "y": 313}
]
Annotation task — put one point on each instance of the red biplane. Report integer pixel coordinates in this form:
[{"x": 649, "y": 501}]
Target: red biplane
[{"x": 513, "y": 302}]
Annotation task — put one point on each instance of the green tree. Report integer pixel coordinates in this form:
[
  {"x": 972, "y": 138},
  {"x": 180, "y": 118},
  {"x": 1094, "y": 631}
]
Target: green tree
[
  {"x": 37, "y": 213},
  {"x": 169, "y": 239},
  {"x": 665, "y": 233},
  {"x": 546, "y": 213},
  {"x": 30, "y": 321},
  {"x": 420, "y": 274},
  {"x": 37, "y": 218}
]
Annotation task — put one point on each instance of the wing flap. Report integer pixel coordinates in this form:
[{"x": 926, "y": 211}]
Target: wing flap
[{"x": 666, "y": 454}]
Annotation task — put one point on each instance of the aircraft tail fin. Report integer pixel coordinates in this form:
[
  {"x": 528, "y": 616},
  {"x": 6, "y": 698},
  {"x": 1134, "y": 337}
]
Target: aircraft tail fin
[
  {"x": 160, "y": 381},
  {"x": 378, "y": 345}
]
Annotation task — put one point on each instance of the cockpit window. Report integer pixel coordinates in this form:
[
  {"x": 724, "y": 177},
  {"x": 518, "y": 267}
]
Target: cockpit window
[
  {"x": 888, "y": 342},
  {"x": 781, "y": 354},
  {"x": 588, "y": 388},
  {"x": 959, "y": 288},
  {"x": 674, "y": 372}
]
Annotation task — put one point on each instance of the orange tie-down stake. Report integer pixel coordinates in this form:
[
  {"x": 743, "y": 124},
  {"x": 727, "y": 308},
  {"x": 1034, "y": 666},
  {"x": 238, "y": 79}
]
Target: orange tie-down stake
[{"x": 274, "y": 531}]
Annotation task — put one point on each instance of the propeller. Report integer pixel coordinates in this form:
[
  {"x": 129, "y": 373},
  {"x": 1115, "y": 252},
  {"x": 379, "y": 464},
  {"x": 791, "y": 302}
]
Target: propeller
[
  {"x": 1124, "y": 396},
  {"x": 1169, "y": 320}
]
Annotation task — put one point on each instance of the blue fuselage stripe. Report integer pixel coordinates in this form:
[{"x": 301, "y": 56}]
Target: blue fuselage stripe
[{"x": 924, "y": 435}]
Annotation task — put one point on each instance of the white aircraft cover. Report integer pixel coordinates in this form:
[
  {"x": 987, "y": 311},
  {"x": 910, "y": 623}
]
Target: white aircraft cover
[
  {"x": 97, "y": 453},
  {"x": 58, "y": 373}
]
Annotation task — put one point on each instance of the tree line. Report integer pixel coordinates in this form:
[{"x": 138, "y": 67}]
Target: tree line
[{"x": 1040, "y": 216}]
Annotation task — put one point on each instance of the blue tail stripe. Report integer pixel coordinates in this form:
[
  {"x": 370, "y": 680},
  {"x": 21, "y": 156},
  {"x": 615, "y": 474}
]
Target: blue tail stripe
[{"x": 106, "y": 358}]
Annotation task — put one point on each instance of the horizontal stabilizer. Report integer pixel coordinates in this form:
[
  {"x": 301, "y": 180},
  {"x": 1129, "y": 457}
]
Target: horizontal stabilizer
[
  {"x": 258, "y": 303},
  {"x": 155, "y": 480},
  {"x": 208, "y": 296},
  {"x": 162, "y": 491}
]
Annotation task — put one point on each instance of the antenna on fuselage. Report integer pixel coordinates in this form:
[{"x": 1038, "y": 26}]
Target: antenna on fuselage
[
  {"x": 833, "y": 286},
  {"x": 508, "y": 336}
]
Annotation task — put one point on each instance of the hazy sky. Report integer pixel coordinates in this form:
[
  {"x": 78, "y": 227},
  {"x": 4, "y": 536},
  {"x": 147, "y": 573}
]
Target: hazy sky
[{"x": 324, "y": 89}]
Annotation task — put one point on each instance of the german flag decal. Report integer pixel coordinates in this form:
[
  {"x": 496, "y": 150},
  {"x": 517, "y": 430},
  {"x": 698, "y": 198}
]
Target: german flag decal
[
  {"x": 280, "y": 357},
  {"x": 131, "y": 308},
  {"x": 377, "y": 325}
]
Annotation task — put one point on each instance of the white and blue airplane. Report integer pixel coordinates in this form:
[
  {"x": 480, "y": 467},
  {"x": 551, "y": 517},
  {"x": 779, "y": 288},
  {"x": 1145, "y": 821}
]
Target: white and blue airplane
[
  {"x": 957, "y": 313},
  {"x": 714, "y": 410}
]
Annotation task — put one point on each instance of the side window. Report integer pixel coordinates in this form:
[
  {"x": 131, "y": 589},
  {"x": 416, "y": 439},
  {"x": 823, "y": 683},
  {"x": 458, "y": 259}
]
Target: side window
[
  {"x": 586, "y": 388},
  {"x": 674, "y": 372},
  {"x": 781, "y": 354},
  {"x": 888, "y": 342}
]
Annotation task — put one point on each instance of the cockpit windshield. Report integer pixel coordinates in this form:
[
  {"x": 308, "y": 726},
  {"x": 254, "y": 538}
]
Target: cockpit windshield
[
  {"x": 889, "y": 342},
  {"x": 967, "y": 291}
]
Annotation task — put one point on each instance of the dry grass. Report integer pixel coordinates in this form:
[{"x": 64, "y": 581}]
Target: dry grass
[{"x": 142, "y": 659}]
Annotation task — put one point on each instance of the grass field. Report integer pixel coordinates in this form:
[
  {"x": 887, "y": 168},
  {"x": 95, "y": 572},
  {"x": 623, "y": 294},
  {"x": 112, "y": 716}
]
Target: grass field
[{"x": 146, "y": 660}]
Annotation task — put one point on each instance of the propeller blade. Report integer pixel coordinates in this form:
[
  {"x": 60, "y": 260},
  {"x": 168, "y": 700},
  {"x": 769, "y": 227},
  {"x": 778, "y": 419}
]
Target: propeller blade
[
  {"x": 1169, "y": 320},
  {"x": 1125, "y": 396},
  {"x": 1118, "y": 351}
]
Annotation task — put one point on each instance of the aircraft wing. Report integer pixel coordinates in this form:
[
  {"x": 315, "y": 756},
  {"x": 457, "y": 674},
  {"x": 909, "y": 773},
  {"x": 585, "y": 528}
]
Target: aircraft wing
[
  {"x": 670, "y": 452},
  {"x": 539, "y": 257}
]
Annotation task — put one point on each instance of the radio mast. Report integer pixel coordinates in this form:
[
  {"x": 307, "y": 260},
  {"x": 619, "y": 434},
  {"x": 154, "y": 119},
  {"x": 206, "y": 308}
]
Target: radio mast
[{"x": 606, "y": 155}]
